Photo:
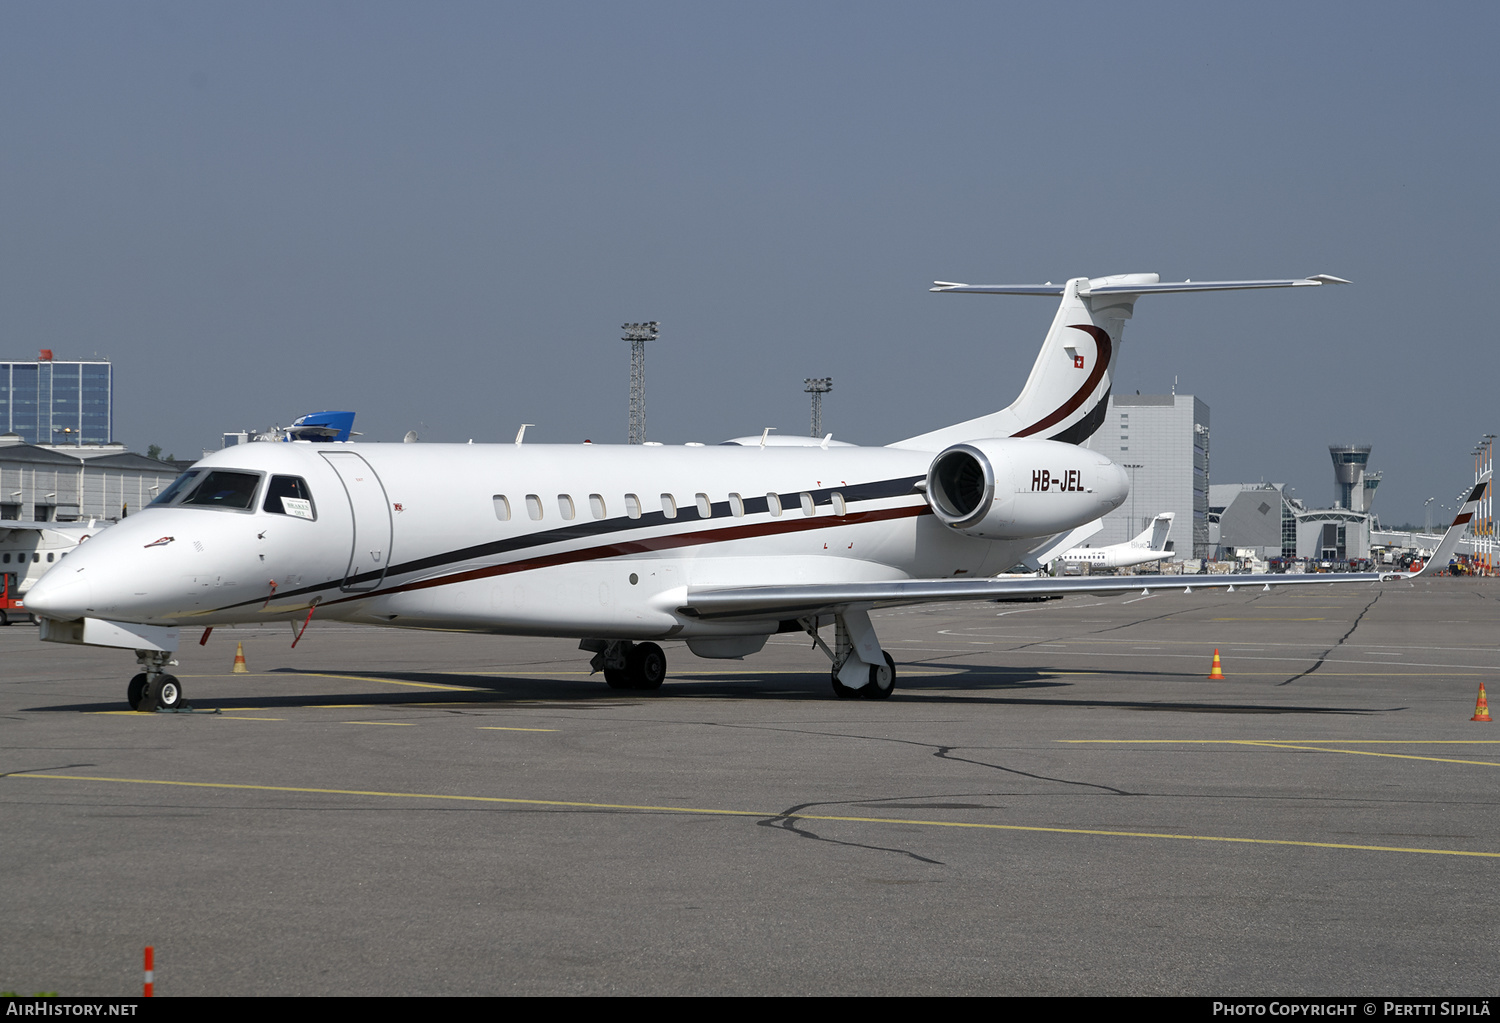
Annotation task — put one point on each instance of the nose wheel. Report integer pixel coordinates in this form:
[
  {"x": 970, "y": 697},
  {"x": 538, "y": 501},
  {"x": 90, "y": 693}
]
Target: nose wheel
[{"x": 153, "y": 689}]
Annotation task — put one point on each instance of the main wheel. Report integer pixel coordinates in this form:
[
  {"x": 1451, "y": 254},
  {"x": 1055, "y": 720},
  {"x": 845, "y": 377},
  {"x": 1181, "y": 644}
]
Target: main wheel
[
  {"x": 135, "y": 689},
  {"x": 647, "y": 666},
  {"x": 618, "y": 678},
  {"x": 882, "y": 680}
]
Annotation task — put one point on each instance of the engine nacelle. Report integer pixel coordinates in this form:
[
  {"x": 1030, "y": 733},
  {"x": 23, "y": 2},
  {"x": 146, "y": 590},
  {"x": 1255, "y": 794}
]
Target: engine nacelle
[{"x": 1009, "y": 488}]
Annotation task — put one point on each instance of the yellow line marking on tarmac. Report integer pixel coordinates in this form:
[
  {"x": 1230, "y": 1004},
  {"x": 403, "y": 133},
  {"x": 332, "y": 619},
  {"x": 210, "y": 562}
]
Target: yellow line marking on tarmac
[
  {"x": 394, "y": 724},
  {"x": 757, "y": 813},
  {"x": 1272, "y": 744},
  {"x": 389, "y": 681},
  {"x": 503, "y": 728}
]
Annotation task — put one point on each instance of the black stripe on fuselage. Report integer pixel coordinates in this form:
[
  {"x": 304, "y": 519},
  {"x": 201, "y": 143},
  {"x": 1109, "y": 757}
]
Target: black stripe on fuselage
[{"x": 686, "y": 515}]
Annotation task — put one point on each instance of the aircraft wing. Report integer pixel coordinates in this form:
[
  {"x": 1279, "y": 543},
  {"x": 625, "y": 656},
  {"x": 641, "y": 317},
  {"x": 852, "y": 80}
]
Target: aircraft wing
[
  {"x": 806, "y": 600},
  {"x": 809, "y": 599}
]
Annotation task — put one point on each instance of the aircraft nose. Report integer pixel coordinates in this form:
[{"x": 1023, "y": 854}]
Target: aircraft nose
[{"x": 61, "y": 596}]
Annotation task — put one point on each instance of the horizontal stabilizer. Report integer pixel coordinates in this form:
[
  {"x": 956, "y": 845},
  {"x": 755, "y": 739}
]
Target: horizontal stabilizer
[{"x": 1107, "y": 286}]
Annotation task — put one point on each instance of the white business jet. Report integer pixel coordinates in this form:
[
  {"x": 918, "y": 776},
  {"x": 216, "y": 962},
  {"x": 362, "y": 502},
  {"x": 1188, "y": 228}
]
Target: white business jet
[
  {"x": 1150, "y": 545},
  {"x": 623, "y": 547}
]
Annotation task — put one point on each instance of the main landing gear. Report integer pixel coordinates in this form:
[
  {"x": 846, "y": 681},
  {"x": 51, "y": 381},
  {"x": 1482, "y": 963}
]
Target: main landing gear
[
  {"x": 153, "y": 689},
  {"x": 627, "y": 665},
  {"x": 860, "y": 667}
]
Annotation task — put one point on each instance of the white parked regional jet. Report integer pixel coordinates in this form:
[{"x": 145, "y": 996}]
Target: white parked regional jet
[
  {"x": 624, "y": 547},
  {"x": 1150, "y": 545},
  {"x": 28, "y": 550}
]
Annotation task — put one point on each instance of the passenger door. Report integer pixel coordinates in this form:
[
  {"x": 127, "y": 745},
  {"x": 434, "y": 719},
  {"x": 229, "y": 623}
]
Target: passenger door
[{"x": 371, "y": 508}]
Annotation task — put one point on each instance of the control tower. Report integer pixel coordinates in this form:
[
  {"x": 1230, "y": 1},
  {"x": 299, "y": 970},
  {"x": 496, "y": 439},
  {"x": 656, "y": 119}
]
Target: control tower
[{"x": 1349, "y": 461}]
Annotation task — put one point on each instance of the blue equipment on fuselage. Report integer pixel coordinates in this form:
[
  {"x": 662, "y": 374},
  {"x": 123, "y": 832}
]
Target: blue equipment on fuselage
[{"x": 322, "y": 426}]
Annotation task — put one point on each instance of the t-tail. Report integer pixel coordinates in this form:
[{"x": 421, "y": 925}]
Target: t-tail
[
  {"x": 1067, "y": 393},
  {"x": 1154, "y": 536}
]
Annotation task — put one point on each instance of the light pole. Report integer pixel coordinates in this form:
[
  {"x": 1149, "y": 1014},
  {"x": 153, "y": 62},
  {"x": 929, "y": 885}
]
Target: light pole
[
  {"x": 638, "y": 334},
  {"x": 1132, "y": 467},
  {"x": 817, "y": 387}
]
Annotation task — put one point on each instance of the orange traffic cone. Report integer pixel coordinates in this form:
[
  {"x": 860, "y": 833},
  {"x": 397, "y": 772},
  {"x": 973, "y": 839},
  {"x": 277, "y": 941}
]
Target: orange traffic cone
[
  {"x": 1218, "y": 670},
  {"x": 239, "y": 660},
  {"x": 1482, "y": 707}
]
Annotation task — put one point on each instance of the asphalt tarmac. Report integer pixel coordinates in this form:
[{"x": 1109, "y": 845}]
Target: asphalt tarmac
[{"x": 1056, "y": 801}]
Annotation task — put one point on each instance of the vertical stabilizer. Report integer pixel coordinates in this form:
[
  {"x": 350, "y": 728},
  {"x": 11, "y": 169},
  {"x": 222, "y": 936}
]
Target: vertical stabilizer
[
  {"x": 1155, "y": 535},
  {"x": 1066, "y": 394}
]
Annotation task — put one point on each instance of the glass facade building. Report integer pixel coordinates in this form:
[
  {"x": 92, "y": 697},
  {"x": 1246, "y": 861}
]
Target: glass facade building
[{"x": 54, "y": 402}]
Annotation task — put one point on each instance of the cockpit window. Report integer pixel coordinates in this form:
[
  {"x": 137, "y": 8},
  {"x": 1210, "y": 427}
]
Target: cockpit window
[
  {"x": 224, "y": 489},
  {"x": 288, "y": 495},
  {"x": 178, "y": 486}
]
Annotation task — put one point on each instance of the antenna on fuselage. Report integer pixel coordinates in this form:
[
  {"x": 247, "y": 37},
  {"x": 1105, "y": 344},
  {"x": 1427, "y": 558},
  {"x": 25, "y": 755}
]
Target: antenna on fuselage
[{"x": 521, "y": 433}]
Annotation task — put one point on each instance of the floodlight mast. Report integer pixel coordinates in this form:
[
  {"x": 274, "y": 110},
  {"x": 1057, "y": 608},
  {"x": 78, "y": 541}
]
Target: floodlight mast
[
  {"x": 817, "y": 387},
  {"x": 638, "y": 334}
]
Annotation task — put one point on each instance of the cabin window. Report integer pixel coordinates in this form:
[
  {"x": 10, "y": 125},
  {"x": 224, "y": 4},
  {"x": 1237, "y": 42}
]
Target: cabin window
[
  {"x": 534, "y": 507},
  {"x": 178, "y": 486},
  {"x": 35, "y": 558},
  {"x": 737, "y": 506},
  {"x": 596, "y": 506},
  {"x": 221, "y": 488},
  {"x": 50, "y": 556},
  {"x": 632, "y": 506},
  {"x": 7, "y": 559},
  {"x": 565, "y": 506},
  {"x": 502, "y": 507},
  {"x": 839, "y": 508},
  {"x": 669, "y": 506},
  {"x": 808, "y": 508},
  {"x": 705, "y": 507},
  {"x": 773, "y": 504},
  {"x": 288, "y": 495}
]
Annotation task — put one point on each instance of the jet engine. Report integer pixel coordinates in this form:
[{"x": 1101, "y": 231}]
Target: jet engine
[{"x": 1008, "y": 488}]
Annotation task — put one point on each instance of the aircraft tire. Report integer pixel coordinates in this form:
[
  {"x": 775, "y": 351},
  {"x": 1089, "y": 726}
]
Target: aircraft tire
[
  {"x": 618, "y": 678},
  {"x": 135, "y": 689},
  {"x": 165, "y": 695},
  {"x": 874, "y": 691},
  {"x": 648, "y": 666},
  {"x": 840, "y": 690}
]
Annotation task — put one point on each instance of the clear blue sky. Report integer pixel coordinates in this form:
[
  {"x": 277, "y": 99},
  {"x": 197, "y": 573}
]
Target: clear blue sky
[{"x": 438, "y": 214}]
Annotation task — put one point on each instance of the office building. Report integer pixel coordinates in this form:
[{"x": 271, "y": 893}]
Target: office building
[
  {"x": 48, "y": 401},
  {"x": 1161, "y": 441}
]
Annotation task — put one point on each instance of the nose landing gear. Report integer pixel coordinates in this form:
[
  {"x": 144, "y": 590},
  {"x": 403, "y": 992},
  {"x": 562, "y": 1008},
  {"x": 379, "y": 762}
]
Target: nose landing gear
[{"x": 153, "y": 689}]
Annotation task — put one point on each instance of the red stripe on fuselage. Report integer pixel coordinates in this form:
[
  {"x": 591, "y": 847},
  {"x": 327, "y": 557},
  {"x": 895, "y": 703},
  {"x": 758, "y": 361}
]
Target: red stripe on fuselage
[{"x": 646, "y": 546}]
